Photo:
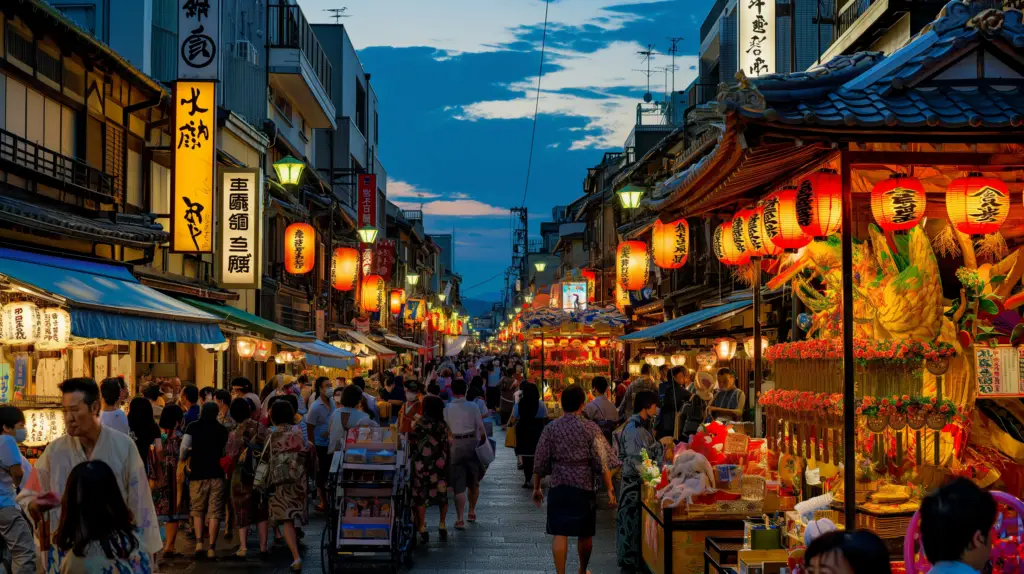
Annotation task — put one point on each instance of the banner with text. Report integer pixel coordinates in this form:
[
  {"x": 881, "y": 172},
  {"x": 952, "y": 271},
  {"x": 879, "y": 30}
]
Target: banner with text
[
  {"x": 238, "y": 225},
  {"x": 194, "y": 154}
]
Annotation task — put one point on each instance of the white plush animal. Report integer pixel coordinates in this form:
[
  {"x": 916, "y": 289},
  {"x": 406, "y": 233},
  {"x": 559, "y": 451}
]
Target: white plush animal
[{"x": 691, "y": 475}]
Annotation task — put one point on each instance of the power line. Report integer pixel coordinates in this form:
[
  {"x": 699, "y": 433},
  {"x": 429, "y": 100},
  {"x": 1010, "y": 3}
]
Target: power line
[
  {"x": 536, "y": 103},
  {"x": 485, "y": 281}
]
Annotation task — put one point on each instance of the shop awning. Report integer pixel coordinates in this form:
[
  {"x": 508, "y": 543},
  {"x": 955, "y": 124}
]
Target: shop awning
[
  {"x": 372, "y": 346},
  {"x": 397, "y": 341},
  {"x": 679, "y": 323},
  {"x": 108, "y": 302},
  {"x": 248, "y": 321},
  {"x": 321, "y": 354}
]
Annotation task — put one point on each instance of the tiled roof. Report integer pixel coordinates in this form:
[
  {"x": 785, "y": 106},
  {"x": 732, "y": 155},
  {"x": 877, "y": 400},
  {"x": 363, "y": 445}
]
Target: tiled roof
[
  {"x": 867, "y": 90},
  {"x": 129, "y": 230}
]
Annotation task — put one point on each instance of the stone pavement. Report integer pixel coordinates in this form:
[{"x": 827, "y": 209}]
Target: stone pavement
[{"x": 507, "y": 538}]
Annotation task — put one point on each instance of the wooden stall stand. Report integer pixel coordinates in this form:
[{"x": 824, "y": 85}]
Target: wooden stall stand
[{"x": 674, "y": 541}]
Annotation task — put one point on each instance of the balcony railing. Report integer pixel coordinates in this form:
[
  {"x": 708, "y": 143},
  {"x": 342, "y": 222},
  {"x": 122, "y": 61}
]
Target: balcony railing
[
  {"x": 701, "y": 93},
  {"x": 51, "y": 168},
  {"x": 289, "y": 29},
  {"x": 851, "y": 12},
  {"x": 412, "y": 215}
]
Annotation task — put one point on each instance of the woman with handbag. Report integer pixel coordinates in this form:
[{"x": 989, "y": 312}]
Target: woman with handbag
[
  {"x": 288, "y": 480},
  {"x": 528, "y": 418},
  {"x": 170, "y": 497},
  {"x": 245, "y": 445}
]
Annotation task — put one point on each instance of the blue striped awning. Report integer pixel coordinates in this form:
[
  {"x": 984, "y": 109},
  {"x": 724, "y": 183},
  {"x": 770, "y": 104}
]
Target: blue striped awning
[{"x": 680, "y": 323}]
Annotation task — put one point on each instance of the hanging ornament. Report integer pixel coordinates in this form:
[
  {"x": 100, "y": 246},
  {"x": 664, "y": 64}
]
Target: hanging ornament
[
  {"x": 299, "y": 248},
  {"x": 55, "y": 331},
  {"x": 977, "y": 205},
  {"x": 634, "y": 265},
  {"x": 781, "y": 223},
  {"x": 819, "y": 204},
  {"x": 757, "y": 235},
  {"x": 670, "y": 243},
  {"x": 898, "y": 202},
  {"x": 263, "y": 348},
  {"x": 22, "y": 323},
  {"x": 245, "y": 347},
  {"x": 678, "y": 359},
  {"x": 725, "y": 348},
  {"x": 344, "y": 268},
  {"x": 373, "y": 293}
]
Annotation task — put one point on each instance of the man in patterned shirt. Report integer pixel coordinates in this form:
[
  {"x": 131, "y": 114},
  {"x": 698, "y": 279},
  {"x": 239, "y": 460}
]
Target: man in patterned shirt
[{"x": 572, "y": 451}]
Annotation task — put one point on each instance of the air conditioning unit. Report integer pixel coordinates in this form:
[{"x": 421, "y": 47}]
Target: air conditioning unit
[{"x": 246, "y": 51}]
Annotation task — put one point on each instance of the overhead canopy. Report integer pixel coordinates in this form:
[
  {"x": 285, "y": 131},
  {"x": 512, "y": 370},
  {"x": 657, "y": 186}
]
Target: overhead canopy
[
  {"x": 372, "y": 346},
  {"x": 108, "y": 302},
  {"x": 400, "y": 342},
  {"x": 321, "y": 354},
  {"x": 679, "y": 323},
  {"x": 248, "y": 321}
]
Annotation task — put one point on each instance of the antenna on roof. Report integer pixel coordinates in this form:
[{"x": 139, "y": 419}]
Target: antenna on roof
[
  {"x": 337, "y": 13},
  {"x": 648, "y": 55},
  {"x": 673, "y": 50}
]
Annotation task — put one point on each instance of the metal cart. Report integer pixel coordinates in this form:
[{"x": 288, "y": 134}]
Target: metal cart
[{"x": 395, "y": 536}]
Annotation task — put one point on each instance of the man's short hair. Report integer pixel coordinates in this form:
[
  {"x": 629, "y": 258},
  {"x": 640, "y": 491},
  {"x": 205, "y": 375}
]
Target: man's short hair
[
  {"x": 951, "y": 515},
  {"x": 678, "y": 370},
  {"x": 726, "y": 371},
  {"x": 302, "y": 380},
  {"x": 10, "y": 416},
  {"x": 191, "y": 393},
  {"x": 645, "y": 369},
  {"x": 573, "y": 398},
  {"x": 223, "y": 396},
  {"x": 110, "y": 390},
  {"x": 207, "y": 392},
  {"x": 351, "y": 396},
  {"x": 152, "y": 391},
  {"x": 644, "y": 400},
  {"x": 88, "y": 387},
  {"x": 243, "y": 383},
  {"x": 359, "y": 382},
  {"x": 600, "y": 385},
  {"x": 459, "y": 387}
]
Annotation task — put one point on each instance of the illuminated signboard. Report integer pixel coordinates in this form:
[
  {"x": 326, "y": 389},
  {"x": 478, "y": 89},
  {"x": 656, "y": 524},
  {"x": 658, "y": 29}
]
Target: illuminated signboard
[
  {"x": 757, "y": 37},
  {"x": 238, "y": 228},
  {"x": 194, "y": 151},
  {"x": 574, "y": 296}
]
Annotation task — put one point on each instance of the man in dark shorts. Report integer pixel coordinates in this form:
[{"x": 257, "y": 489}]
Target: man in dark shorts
[{"x": 572, "y": 451}]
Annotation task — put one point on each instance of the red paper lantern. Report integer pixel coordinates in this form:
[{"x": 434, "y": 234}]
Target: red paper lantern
[
  {"x": 724, "y": 246},
  {"x": 590, "y": 275},
  {"x": 757, "y": 235},
  {"x": 670, "y": 243},
  {"x": 739, "y": 233},
  {"x": 373, "y": 293},
  {"x": 299, "y": 248},
  {"x": 898, "y": 202},
  {"x": 819, "y": 204},
  {"x": 780, "y": 220},
  {"x": 634, "y": 265},
  {"x": 345, "y": 268},
  {"x": 977, "y": 205},
  {"x": 396, "y": 300}
]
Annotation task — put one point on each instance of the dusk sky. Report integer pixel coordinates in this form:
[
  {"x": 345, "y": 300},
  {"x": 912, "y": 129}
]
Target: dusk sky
[{"x": 456, "y": 82}]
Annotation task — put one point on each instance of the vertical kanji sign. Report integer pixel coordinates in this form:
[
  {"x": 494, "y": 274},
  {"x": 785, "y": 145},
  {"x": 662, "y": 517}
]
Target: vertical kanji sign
[
  {"x": 368, "y": 199},
  {"x": 238, "y": 228},
  {"x": 757, "y": 37},
  {"x": 194, "y": 151},
  {"x": 198, "y": 39}
]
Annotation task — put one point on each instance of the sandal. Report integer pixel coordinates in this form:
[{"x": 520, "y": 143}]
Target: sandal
[
  {"x": 442, "y": 534},
  {"x": 472, "y": 517},
  {"x": 460, "y": 525}
]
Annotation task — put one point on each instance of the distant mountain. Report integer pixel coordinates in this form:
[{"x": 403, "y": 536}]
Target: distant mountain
[{"x": 477, "y": 307}]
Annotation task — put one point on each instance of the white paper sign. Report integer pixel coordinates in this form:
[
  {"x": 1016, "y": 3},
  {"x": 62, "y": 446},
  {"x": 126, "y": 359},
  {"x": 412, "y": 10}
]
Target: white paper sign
[
  {"x": 757, "y": 37},
  {"x": 238, "y": 251},
  {"x": 198, "y": 39}
]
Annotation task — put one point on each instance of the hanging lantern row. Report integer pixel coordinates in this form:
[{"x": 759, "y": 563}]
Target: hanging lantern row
[
  {"x": 299, "y": 248},
  {"x": 670, "y": 243},
  {"x": 25, "y": 323},
  {"x": 345, "y": 268},
  {"x": 898, "y": 203},
  {"x": 977, "y": 205},
  {"x": 819, "y": 204},
  {"x": 633, "y": 265},
  {"x": 396, "y": 300},
  {"x": 677, "y": 359},
  {"x": 725, "y": 348},
  {"x": 373, "y": 293},
  {"x": 217, "y": 347}
]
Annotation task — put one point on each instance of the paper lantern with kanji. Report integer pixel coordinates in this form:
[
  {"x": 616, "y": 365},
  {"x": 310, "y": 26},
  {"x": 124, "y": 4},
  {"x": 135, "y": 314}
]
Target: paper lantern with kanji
[
  {"x": 590, "y": 276},
  {"x": 898, "y": 202},
  {"x": 263, "y": 349},
  {"x": 634, "y": 265},
  {"x": 757, "y": 235},
  {"x": 396, "y": 300},
  {"x": 725, "y": 247},
  {"x": 372, "y": 297},
  {"x": 977, "y": 205},
  {"x": 55, "y": 331},
  {"x": 781, "y": 223},
  {"x": 819, "y": 204},
  {"x": 670, "y": 243},
  {"x": 299, "y": 248},
  {"x": 22, "y": 323},
  {"x": 739, "y": 233},
  {"x": 621, "y": 298},
  {"x": 344, "y": 268}
]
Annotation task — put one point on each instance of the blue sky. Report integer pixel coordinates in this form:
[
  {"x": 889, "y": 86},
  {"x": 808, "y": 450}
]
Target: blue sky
[{"x": 456, "y": 82}]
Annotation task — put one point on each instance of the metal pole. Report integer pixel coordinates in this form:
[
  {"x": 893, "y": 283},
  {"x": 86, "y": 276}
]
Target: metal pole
[
  {"x": 849, "y": 414},
  {"x": 758, "y": 378}
]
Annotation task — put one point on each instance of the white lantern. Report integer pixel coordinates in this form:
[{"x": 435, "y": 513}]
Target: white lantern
[
  {"x": 56, "y": 329},
  {"x": 263, "y": 349},
  {"x": 748, "y": 346},
  {"x": 217, "y": 347},
  {"x": 725, "y": 348},
  {"x": 22, "y": 323},
  {"x": 678, "y": 359},
  {"x": 634, "y": 368},
  {"x": 656, "y": 360},
  {"x": 706, "y": 360},
  {"x": 298, "y": 356},
  {"x": 283, "y": 357},
  {"x": 246, "y": 347}
]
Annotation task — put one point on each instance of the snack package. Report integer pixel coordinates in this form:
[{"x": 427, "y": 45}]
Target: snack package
[
  {"x": 384, "y": 510},
  {"x": 356, "y": 455},
  {"x": 351, "y": 508}
]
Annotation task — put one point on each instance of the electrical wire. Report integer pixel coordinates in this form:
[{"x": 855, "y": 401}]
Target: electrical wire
[
  {"x": 485, "y": 281},
  {"x": 536, "y": 103}
]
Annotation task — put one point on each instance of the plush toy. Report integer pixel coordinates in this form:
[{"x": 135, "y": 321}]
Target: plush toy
[{"x": 691, "y": 475}]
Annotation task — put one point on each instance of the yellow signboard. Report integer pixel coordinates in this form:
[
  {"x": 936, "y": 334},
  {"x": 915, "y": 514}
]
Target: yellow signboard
[{"x": 194, "y": 148}]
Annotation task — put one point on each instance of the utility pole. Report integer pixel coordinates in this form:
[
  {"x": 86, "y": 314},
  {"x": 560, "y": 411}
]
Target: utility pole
[
  {"x": 673, "y": 50},
  {"x": 648, "y": 55}
]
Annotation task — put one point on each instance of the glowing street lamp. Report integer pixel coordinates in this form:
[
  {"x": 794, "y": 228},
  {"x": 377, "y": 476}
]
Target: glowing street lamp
[
  {"x": 412, "y": 278},
  {"x": 529, "y": 297},
  {"x": 630, "y": 196},
  {"x": 519, "y": 308},
  {"x": 441, "y": 296},
  {"x": 367, "y": 234},
  {"x": 289, "y": 170},
  {"x": 540, "y": 266}
]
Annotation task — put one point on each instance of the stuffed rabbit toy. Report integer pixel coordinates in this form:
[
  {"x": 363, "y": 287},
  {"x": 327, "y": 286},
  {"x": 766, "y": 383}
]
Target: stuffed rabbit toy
[{"x": 691, "y": 475}]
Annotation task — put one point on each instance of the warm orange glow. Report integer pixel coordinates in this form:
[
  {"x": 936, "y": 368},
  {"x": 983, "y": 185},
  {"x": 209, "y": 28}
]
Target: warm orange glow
[
  {"x": 193, "y": 155},
  {"x": 898, "y": 202},
  {"x": 977, "y": 205},
  {"x": 724, "y": 246},
  {"x": 373, "y": 293},
  {"x": 621, "y": 298},
  {"x": 590, "y": 275},
  {"x": 299, "y": 248},
  {"x": 345, "y": 268},
  {"x": 670, "y": 243},
  {"x": 819, "y": 204},
  {"x": 780, "y": 221},
  {"x": 397, "y": 295},
  {"x": 739, "y": 233},
  {"x": 757, "y": 235},
  {"x": 633, "y": 265}
]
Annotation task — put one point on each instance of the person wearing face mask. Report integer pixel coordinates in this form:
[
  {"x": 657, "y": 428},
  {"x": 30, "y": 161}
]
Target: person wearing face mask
[
  {"x": 636, "y": 437},
  {"x": 413, "y": 407},
  {"x": 337, "y": 396},
  {"x": 14, "y": 467}
]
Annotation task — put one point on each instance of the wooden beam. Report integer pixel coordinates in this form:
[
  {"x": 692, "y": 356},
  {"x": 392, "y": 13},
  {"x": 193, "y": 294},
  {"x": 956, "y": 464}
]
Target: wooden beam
[{"x": 984, "y": 161}]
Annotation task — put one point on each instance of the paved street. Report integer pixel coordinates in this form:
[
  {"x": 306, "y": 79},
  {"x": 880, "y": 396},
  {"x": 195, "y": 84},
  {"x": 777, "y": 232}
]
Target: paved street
[{"x": 508, "y": 537}]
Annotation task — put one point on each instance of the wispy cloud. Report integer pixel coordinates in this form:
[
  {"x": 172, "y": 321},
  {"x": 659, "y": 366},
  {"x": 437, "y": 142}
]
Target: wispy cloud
[
  {"x": 404, "y": 195},
  {"x": 400, "y": 189}
]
